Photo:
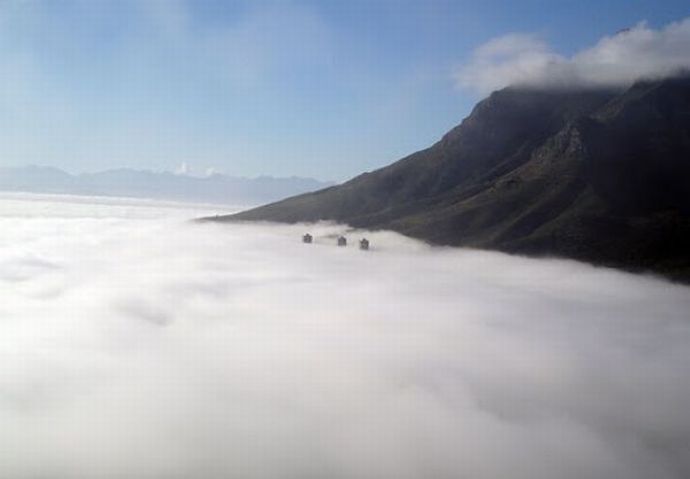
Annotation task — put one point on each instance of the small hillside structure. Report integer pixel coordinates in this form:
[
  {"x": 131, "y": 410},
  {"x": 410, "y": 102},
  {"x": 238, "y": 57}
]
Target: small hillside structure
[
  {"x": 307, "y": 238},
  {"x": 364, "y": 244},
  {"x": 342, "y": 241}
]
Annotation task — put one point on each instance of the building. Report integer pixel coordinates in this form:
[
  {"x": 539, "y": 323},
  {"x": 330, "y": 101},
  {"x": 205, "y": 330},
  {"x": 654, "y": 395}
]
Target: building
[{"x": 342, "y": 241}]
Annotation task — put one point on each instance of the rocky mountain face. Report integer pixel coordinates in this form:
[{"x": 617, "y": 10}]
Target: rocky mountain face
[{"x": 600, "y": 176}]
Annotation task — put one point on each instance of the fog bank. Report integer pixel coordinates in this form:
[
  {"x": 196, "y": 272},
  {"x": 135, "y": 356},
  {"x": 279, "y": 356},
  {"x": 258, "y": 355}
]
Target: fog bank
[{"x": 135, "y": 344}]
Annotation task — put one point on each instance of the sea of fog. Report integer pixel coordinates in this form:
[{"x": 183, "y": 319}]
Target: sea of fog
[{"x": 137, "y": 344}]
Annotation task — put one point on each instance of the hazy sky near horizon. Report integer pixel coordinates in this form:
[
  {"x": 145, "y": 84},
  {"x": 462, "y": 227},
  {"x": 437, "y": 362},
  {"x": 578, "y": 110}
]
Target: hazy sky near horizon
[{"x": 326, "y": 89}]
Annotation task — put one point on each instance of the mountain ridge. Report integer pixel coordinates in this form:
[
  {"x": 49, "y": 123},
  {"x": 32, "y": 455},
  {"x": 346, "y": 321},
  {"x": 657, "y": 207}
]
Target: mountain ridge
[
  {"x": 595, "y": 175},
  {"x": 215, "y": 188}
]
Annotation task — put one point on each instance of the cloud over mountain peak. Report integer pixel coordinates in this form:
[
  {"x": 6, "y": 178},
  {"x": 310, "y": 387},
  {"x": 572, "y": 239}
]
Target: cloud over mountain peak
[{"x": 617, "y": 60}]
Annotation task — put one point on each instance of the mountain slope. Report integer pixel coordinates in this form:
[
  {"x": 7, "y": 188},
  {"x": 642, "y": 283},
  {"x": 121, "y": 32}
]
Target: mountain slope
[{"x": 601, "y": 176}]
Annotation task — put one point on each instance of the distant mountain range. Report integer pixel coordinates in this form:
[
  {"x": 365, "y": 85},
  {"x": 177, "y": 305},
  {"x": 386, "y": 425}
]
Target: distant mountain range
[
  {"x": 596, "y": 175},
  {"x": 215, "y": 188}
]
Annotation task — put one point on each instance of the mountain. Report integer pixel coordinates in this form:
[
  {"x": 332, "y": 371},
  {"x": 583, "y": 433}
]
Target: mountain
[
  {"x": 595, "y": 175},
  {"x": 156, "y": 185}
]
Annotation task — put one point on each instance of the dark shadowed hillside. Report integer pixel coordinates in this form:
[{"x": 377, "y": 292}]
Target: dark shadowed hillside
[{"x": 600, "y": 176}]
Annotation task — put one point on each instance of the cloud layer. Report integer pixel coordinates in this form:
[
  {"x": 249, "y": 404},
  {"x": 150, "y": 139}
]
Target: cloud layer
[
  {"x": 618, "y": 60},
  {"x": 137, "y": 345}
]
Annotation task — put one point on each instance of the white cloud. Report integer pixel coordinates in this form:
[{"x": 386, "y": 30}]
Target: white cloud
[
  {"x": 182, "y": 169},
  {"x": 524, "y": 59},
  {"x": 136, "y": 345}
]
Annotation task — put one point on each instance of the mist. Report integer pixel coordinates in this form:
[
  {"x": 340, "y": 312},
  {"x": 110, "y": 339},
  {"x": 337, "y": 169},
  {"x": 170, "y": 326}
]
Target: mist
[{"x": 138, "y": 344}]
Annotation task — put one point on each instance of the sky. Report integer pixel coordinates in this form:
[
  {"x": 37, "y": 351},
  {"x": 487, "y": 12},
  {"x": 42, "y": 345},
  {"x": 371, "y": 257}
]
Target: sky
[
  {"x": 136, "y": 344},
  {"x": 325, "y": 89}
]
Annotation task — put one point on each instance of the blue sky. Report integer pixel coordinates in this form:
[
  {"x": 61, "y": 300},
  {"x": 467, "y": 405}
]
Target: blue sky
[{"x": 326, "y": 89}]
